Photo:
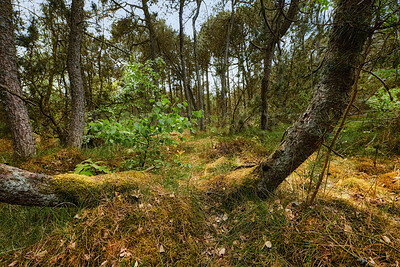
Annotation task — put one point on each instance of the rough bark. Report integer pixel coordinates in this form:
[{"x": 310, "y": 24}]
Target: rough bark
[
  {"x": 331, "y": 96},
  {"x": 31, "y": 189},
  {"x": 77, "y": 121},
  {"x": 10, "y": 89}
]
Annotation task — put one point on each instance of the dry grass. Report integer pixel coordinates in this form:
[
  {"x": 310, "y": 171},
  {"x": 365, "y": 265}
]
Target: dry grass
[{"x": 203, "y": 219}]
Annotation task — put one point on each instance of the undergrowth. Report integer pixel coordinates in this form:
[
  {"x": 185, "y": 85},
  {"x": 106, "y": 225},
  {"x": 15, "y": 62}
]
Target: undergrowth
[{"x": 354, "y": 222}]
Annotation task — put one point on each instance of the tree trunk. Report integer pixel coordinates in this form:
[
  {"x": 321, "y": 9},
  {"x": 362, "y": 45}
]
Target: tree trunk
[
  {"x": 225, "y": 67},
  {"x": 332, "y": 94},
  {"x": 208, "y": 96},
  {"x": 273, "y": 32},
  {"x": 31, "y": 189},
  {"x": 269, "y": 54},
  {"x": 77, "y": 122},
  {"x": 10, "y": 89},
  {"x": 188, "y": 92},
  {"x": 200, "y": 91},
  {"x": 152, "y": 37}
]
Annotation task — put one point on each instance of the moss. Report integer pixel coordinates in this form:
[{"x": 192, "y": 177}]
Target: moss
[
  {"x": 218, "y": 164},
  {"x": 356, "y": 184},
  {"x": 390, "y": 180},
  {"x": 240, "y": 180},
  {"x": 79, "y": 188}
]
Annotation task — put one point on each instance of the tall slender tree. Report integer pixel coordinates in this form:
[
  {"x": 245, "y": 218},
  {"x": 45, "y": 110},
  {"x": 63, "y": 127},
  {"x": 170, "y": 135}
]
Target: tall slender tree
[
  {"x": 10, "y": 88},
  {"x": 200, "y": 92},
  {"x": 274, "y": 30},
  {"x": 77, "y": 123}
]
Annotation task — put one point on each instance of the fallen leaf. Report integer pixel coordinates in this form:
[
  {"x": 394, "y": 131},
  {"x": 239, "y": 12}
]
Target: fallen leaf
[
  {"x": 268, "y": 244},
  {"x": 41, "y": 254},
  {"x": 72, "y": 245},
  {"x": 386, "y": 239},
  {"x": 12, "y": 264},
  {"x": 347, "y": 228},
  {"x": 221, "y": 252}
]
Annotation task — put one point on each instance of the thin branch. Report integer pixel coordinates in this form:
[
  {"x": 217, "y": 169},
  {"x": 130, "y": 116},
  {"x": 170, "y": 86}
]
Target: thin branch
[
  {"x": 107, "y": 43},
  {"x": 382, "y": 81}
]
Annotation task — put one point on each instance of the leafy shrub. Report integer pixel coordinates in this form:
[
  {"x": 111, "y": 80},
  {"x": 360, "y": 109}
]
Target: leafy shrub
[
  {"x": 382, "y": 103},
  {"x": 149, "y": 128},
  {"x": 90, "y": 168}
]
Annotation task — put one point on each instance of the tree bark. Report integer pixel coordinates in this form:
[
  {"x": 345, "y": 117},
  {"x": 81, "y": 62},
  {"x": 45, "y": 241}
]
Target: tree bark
[
  {"x": 332, "y": 94},
  {"x": 10, "y": 89},
  {"x": 77, "y": 121}
]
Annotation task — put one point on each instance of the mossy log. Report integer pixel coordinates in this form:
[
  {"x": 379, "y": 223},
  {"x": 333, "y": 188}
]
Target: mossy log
[{"x": 32, "y": 189}]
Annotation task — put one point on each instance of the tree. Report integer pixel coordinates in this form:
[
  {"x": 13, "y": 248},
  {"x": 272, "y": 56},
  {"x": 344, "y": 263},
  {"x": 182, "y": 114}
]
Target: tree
[
  {"x": 77, "y": 123},
  {"x": 10, "y": 89},
  {"x": 197, "y": 67},
  {"x": 350, "y": 29},
  {"x": 188, "y": 91},
  {"x": 331, "y": 97},
  {"x": 273, "y": 32}
]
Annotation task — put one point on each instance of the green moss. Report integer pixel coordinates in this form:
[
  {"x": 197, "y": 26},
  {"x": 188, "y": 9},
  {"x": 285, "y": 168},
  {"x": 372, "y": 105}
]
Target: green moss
[
  {"x": 241, "y": 180},
  {"x": 81, "y": 189}
]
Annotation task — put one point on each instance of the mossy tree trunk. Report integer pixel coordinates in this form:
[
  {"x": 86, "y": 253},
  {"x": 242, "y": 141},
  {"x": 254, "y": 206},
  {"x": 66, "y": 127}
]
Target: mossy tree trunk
[
  {"x": 350, "y": 30},
  {"x": 32, "y": 189}
]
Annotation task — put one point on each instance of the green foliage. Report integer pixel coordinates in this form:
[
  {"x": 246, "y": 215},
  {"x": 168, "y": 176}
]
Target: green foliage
[
  {"x": 90, "y": 168},
  {"x": 148, "y": 129},
  {"x": 382, "y": 103}
]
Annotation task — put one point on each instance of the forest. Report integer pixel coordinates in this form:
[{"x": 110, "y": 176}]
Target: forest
[{"x": 200, "y": 133}]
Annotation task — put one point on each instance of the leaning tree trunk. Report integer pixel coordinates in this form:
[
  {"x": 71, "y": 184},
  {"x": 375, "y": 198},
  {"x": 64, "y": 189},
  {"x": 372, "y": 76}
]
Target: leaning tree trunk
[
  {"x": 332, "y": 94},
  {"x": 77, "y": 122},
  {"x": 10, "y": 89}
]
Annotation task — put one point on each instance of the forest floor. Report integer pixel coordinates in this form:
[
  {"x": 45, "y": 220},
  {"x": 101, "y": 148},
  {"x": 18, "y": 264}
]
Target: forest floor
[{"x": 355, "y": 220}]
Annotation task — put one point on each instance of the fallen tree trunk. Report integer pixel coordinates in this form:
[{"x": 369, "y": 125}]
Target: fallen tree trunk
[
  {"x": 350, "y": 30},
  {"x": 31, "y": 189}
]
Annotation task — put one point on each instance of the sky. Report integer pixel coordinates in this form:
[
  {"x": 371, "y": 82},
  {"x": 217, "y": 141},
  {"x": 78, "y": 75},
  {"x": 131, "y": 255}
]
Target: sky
[{"x": 29, "y": 8}]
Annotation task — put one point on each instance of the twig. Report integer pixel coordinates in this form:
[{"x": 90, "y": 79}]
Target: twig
[{"x": 382, "y": 81}]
